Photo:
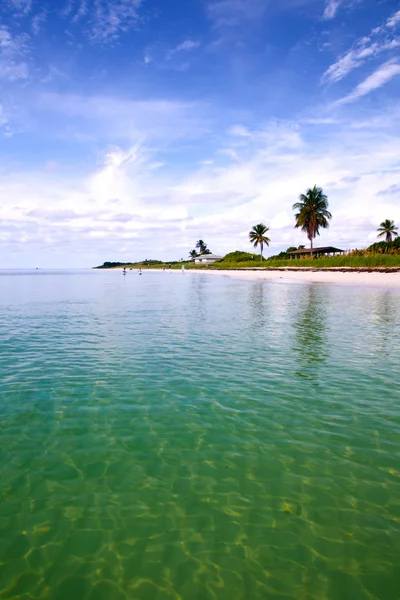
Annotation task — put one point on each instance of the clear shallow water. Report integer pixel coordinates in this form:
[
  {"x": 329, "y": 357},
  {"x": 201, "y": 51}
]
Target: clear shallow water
[{"x": 195, "y": 437}]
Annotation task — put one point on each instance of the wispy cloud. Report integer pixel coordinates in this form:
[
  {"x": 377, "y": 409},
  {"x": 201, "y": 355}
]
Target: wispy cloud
[
  {"x": 81, "y": 11},
  {"x": 37, "y": 22},
  {"x": 232, "y": 12},
  {"x": 12, "y": 51},
  {"x": 381, "y": 39},
  {"x": 187, "y": 45},
  {"x": 104, "y": 20},
  {"x": 113, "y": 17},
  {"x": 380, "y": 77},
  {"x": 113, "y": 118},
  {"x": 20, "y": 7},
  {"x": 183, "y": 47},
  {"x": 331, "y": 9},
  {"x": 393, "y": 21},
  {"x": 390, "y": 191}
]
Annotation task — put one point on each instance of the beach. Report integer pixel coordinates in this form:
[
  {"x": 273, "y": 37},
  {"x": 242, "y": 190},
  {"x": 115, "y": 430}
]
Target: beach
[
  {"x": 389, "y": 278},
  {"x": 341, "y": 277}
]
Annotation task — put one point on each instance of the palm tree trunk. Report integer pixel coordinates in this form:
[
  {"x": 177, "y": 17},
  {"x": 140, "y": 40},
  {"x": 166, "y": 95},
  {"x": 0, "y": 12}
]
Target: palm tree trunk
[
  {"x": 388, "y": 237},
  {"x": 311, "y": 249},
  {"x": 261, "y": 249}
]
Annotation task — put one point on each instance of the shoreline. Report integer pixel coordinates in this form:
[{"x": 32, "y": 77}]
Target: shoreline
[{"x": 338, "y": 275}]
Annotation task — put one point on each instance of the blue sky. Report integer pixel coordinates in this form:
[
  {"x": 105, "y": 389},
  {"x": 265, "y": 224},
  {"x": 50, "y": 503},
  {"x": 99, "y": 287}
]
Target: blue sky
[{"x": 131, "y": 128}]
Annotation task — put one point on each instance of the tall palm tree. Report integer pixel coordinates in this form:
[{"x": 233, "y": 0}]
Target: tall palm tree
[
  {"x": 388, "y": 228},
  {"x": 313, "y": 212},
  {"x": 257, "y": 236},
  {"x": 193, "y": 254},
  {"x": 202, "y": 246}
]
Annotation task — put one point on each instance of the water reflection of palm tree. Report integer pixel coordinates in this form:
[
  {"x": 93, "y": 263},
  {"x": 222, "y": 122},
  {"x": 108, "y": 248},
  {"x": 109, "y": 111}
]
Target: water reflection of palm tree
[
  {"x": 386, "y": 316},
  {"x": 257, "y": 304},
  {"x": 199, "y": 296},
  {"x": 310, "y": 327}
]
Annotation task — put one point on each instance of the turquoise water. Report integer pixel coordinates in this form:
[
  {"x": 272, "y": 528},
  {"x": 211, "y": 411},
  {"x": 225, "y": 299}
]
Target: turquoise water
[{"x": 195, "y": 437}]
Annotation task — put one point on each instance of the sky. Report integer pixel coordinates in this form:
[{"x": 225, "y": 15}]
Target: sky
[{"x": 129, "y": 129}]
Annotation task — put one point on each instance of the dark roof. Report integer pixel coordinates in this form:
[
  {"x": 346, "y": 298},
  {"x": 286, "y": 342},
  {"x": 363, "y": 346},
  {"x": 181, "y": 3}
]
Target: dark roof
[{"x": 322, "y": 250}]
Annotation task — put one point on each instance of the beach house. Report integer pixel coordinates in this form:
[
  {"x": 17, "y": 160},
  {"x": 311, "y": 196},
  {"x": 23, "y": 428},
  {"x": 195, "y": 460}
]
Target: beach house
[
  {"x": 324, "y": 251},
  {"x": 206, "y": 259}
]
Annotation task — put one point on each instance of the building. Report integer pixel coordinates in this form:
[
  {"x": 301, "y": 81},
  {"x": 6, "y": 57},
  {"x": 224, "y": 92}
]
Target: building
[
  {"x": 325, "y": 251},
  {"x": 206, "y": 259}
]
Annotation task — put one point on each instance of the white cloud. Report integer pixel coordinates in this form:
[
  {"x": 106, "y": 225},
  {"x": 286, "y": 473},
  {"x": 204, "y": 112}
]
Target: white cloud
[
  {"x": 110, "y": 18},
  {"x": 82, "y": 11},
  {"x": 147, "y": 58},
  {"x": 187, "y": 45},
  {"x": 112, "y": 118},
  {"x": 380, "y": 77},
  {"x": 394, "y": 20},
  {"x": 37, "y": 22},
  {"x": 103, "y": 21},
  {"x": 115, "y": 209},
  {"x": 20, "y": 7},
  {"x": 331, "y": 9},
  {"x": 12, "y": 51},
  {"x": 183, "y": 47},
  {"x": 381, "y": 39},
  {"x": 232, "y": 12}
]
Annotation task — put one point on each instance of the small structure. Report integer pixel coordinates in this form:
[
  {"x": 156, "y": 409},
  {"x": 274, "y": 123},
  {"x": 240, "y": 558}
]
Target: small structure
[
  {"x": 206, "y": 259},
  {"x": 325, "y": 250}
]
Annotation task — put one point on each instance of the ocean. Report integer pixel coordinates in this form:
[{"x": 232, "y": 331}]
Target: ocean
[{"x": 194, "y": 437}]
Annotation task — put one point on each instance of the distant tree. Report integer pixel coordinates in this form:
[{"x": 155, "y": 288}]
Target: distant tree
[
  {"x": 388, "y": 228},
  {"x": 193, "y": 254},
  {"x": 257, "y": 237},
  {"x": 202, "y": 246},
  {"x": 312, "y": 213}
]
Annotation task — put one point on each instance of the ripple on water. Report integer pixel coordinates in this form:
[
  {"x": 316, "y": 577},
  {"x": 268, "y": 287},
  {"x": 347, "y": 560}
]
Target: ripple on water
[{"x": 198, "y": 438}]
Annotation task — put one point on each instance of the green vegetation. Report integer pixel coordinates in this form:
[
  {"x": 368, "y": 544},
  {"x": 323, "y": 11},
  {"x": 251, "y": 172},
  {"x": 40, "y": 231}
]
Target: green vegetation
[
  {"x": 350, "y": 260},
  {"x": 313, "y": 213},
  {"x": 388, "y": 228},
  {"x": 239, "y": 257},
  {"x": 353, "y": 260},
  {"x": 257, "y": 237},
  {"x": 149, "y": 263},
  {"x": 202, "y": 247},
  {"x": 285, "y": 254},
  {"x": 382, "y": 248}
]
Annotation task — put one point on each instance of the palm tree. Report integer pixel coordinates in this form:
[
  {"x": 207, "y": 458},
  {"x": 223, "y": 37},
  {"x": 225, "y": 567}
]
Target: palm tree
[
  {"x": 257, "y": 236},
  {"x": 193, "y": 254},
  {"x": 388, "y": 228},
  {"x": 313, "y": 212},
  {"x": 202, "y": 246}
]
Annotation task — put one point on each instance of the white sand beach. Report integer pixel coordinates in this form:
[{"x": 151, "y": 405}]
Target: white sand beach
[
  {"x": 388, "y": 279},
  {"x": 339, "y": 276}
]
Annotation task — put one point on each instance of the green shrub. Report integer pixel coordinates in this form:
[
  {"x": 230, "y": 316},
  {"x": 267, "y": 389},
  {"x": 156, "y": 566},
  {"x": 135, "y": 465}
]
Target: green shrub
[
  {"x": 239, "y": 257},
  {"x": 385, "y": 247}
]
